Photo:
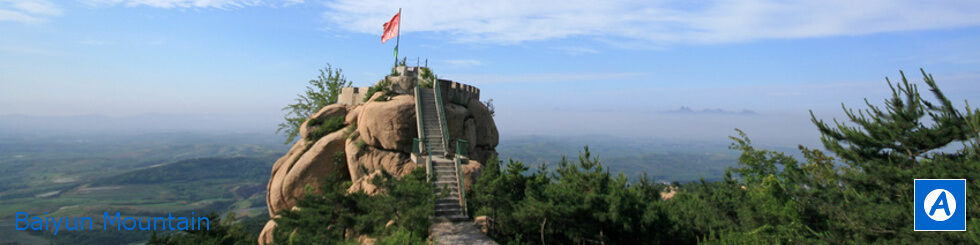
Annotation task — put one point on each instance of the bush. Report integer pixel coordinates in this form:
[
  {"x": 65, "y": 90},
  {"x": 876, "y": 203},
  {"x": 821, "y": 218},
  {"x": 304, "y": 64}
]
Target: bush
[
  {"x": 335, "y": 217},
  {"x": 381, "y": 86},
  {"x": 324, "y": 127}
]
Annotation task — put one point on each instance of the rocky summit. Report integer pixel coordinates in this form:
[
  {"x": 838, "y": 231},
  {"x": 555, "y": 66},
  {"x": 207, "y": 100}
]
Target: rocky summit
[{"x": 376, "y": 135}]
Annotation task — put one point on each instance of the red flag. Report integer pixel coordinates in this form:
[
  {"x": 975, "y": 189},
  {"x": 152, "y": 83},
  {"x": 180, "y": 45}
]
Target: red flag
[{"x": 391, "y": 28}]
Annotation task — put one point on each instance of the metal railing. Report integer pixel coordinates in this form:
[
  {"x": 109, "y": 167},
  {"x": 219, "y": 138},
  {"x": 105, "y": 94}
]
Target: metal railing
[
  {"x": 461, "y": 185},
  {"x": 441, "y": 110},
  {"x": 461, "y": 148},
  {"x": 421, "y": 144}
]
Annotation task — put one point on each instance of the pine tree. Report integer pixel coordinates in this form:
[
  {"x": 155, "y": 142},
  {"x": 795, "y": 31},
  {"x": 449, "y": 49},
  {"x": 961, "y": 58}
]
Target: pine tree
[
  {"x": 887, "y": 150},
  {"x": 899, "y": 132}
]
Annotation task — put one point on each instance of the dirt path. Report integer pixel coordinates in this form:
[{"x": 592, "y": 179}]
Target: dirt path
[{"x": 452, "y": 233}]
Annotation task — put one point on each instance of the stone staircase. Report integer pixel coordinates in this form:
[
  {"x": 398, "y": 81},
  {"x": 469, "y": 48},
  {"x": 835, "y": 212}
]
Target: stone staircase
[
  {"x": 448, "y": 201},
  {"x": 430, "y": 118}
]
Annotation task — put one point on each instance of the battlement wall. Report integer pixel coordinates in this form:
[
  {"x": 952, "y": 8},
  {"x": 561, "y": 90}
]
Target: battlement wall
[
  {"x": 452, "y": 92},
  {"x": 458, "y": 93}
]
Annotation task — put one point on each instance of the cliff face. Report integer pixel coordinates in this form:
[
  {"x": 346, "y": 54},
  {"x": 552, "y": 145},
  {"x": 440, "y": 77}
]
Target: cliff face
[{"x": 375, "y": 136}]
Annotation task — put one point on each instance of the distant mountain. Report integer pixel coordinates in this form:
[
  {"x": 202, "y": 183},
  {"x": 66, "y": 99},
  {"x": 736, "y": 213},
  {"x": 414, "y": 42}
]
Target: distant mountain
[
  {"x": 688, "y": 110},
  {"x": 136, "y": 124}
]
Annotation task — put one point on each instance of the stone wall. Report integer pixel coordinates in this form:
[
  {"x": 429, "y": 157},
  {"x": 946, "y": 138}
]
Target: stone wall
[
  {"x": 352, "y": 95},
  {"x": 452, "y": 92},
  {"x": 458, "y": 93}
]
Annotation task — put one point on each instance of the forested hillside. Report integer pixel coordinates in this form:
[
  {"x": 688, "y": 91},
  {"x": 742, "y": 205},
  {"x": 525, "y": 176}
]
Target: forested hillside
[{"x": 769, "y": 197}]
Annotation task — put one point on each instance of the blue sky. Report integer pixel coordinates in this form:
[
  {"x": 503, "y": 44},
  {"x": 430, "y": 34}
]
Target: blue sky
[{"x": 552, "y": 67}]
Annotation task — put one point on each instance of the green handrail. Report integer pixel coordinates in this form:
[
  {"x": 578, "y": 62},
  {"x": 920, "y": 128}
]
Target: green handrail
[
  {"x": 424, "y": 143},
  {"x": 461, "y": 147},
  {"x": 440, "y": 109},
  {"x": 461, "y": 185},
  {"x": 415, "y": 147}
]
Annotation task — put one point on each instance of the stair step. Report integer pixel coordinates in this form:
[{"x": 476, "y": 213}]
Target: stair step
[
  {"x": 448, "y": 201},
  {"x": 450, "y": 187},
  {"x": 440, "y": 184},
  {"x": 449, "y": 211},
  {"x": 453, "y": 218},
  {"x": 447, "y": 205}
]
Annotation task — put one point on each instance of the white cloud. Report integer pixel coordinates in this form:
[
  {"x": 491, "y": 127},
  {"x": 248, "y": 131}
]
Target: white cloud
[
  {"x": 464, "y": 62},
  {"x": 219, "y": 4},
  {"x": 650, "y": 22},
  {"x": 27, "y": 10},
  {"x": 576, "y": 51}
]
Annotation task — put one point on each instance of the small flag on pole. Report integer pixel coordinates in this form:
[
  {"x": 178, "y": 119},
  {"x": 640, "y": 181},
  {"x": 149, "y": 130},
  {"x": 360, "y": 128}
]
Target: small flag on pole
[{"x": 391, "y": 27}]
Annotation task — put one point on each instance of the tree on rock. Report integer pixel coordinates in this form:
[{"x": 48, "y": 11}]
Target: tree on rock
[{"x": 322, "y": 91}]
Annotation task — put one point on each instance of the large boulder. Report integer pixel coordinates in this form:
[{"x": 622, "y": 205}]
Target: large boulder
[
  {"x": 352, "y": 116},
  {"x": 401, "y": 84},
  {"x": 274, "y": 199},
  {"x": 456, "y": 116},
  {"x": 470, "y": 172},
  {"x": 365, "y": 184},
  {"x": 389, "y": 125},
  {"x": 334, "y": 110},
  {"x": 320, "y": 161},
  {"x": 486, "y": 128},
  {"x": 377, "y": 138},
  {"x": 363, "y": 159},
  {"x": 474, "y": 124},
  {"x": 265, "y": 237}
]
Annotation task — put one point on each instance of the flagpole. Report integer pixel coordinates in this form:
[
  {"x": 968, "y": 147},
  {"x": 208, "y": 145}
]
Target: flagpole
[{"x": 398, "y": 35}]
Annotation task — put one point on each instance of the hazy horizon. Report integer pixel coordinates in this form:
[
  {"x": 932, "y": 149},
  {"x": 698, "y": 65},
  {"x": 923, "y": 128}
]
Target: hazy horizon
[{"x": 552, "y": 68}]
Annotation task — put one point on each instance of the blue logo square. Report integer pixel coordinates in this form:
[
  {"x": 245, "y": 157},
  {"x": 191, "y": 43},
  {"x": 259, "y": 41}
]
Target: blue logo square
[{"x": 940, "y": 205}]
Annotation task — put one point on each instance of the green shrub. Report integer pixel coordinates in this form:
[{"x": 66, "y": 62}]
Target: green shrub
[
  {"x": 324, "y": 127},
  {"x": 427, "y": 79},
  {"x": 382, "y": 86},
  {"x": 331, "y": 216},
  {"x": 360, "y": 144}
]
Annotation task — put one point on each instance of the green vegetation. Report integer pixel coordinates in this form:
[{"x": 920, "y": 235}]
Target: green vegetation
[
  {"x": 143, "y": 176},
  {"x": 322, "y": 91},
  {"x": 398, "y": 215},
  {"x": 225, "y": 231},
  {"x": 665, "y": 161},
  {"x": 382, "y": 86},
  {"x": 427, "y": 79},
  {"x": 241, "y": 168},
  {"x": 490, "y": 107},
  {"x": 324, "y": 127},
  {"x": 397, "y": 64},
  {"x": 769, "y": 197}
]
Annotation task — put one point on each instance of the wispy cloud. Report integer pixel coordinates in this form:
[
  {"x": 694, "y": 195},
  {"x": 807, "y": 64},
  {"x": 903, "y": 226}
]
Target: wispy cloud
[
  {"x": 27, "y": 11},
  {"x": 576, "y": 51},
  {"x": 218, "y": 4},
  {"x": 652, "y": 22},
  {"x": 464, "y": 62}
]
